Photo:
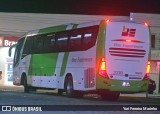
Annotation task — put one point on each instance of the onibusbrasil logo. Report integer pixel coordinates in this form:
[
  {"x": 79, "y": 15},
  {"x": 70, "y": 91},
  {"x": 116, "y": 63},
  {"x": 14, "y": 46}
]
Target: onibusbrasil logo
[{"x": 21, "y": 108}]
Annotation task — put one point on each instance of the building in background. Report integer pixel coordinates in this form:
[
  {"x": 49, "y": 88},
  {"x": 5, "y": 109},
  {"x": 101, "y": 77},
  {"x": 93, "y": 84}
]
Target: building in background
[
  {"x": 6, "y": 62},
  {"x": 153, "y": 21}
]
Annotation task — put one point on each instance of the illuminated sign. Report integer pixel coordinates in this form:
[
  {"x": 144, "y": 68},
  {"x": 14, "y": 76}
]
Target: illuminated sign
[{"x": 8, "y": 41}]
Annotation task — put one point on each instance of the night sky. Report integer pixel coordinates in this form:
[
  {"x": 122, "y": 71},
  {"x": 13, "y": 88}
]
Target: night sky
[{"x": 88, "y": 7}]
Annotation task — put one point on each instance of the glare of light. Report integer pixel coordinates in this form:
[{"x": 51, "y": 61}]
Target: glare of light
[
  {"x": 107, "y": 20},
  {"x": 128, "y": 40},
  {"x": 148, "y": 67},
  {"x": 146, "y": 24},
  {"x": 125, "y": 84}
]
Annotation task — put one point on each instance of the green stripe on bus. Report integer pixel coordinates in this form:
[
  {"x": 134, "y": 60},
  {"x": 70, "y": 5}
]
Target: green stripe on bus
[
  {"x": 100, "y": 51},
  {"x": 107, "y": 84},
  {"x": 64, "y": 64},
  {"x": 149, "y": 55},
  {"x": 52, "y": 29},
  {"x": 43, "y": 64},
  {"x": 65, "y": 58}
]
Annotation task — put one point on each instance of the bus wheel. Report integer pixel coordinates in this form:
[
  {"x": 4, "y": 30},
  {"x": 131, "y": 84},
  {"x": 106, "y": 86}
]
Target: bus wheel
[
  {"x": 26, "y": 88},
  {"x": 69, "y": 87},
  {"x": 110, "y": 96}
]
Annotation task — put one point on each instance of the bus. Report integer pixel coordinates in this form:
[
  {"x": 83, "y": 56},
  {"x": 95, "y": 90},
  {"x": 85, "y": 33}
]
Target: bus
[{"x": 103, "y": 57}]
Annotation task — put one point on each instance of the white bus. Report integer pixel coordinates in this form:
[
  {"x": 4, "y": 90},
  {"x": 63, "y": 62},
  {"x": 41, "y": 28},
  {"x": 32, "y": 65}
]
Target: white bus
[{"x": 103, "y": 57}]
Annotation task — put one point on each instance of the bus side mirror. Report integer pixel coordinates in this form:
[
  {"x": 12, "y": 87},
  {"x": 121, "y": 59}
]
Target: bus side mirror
[
  {"x": 9, "y": 54},
  {"x": 10, "y": 50}
]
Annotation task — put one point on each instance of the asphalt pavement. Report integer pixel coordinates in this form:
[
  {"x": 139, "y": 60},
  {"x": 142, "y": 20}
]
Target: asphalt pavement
[{"x": 21, "y": 88}]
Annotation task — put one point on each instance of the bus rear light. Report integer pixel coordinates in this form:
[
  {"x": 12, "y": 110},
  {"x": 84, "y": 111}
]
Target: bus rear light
[
  {"x": 107, "y": 21},
  {"x": 128, "y": 40},
  {"x": 146, "y": 24},
  {"x": 102, "y": 68},
  {"x": 103, "y": 64},
  {"x": 148, "y": 67}
]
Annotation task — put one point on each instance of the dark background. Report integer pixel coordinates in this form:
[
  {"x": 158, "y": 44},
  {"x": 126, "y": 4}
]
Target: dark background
[{"x": 89, "y": 7}]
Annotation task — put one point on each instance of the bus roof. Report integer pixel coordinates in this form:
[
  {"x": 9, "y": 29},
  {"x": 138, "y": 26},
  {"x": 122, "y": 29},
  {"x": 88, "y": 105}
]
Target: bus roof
[
  {"x": 65, "y": 27},
  {"x": 60, "y": 28}
]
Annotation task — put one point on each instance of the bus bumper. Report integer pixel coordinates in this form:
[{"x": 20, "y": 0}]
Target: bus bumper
[{"x": 125, "y": 86}]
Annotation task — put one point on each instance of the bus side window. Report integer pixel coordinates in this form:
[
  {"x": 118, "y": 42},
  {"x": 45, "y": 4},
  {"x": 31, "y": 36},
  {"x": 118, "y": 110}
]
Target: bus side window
[
  {"x": 87, "y": 41},
  {"x": 18, "y": 51},
  {"x": 28, "y": 47},
  {"x": 52, "y": 44},
  {"x": 62, "y": 41},
  {"x": 49, "y": 43},
  {"x": 89, "y": 38},
  {"x": 38, "y": 44},
  {"x": 75, "y": 41}
]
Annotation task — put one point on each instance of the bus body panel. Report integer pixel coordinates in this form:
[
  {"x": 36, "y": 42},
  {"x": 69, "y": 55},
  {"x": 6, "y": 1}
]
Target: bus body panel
[
  {"x": 127, "y": 48},
  {"x": 130, "y": 86},
  {"x": 82, "y": 67},
  {"x": 126, "y": 53},
  {"x": 48, "y": 70}
]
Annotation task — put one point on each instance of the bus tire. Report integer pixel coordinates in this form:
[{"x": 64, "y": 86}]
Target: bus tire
[
  {"x": 26, "y": 88},
  {"x": 69, "y": 87},
  {"x": 110, "y": 96}
]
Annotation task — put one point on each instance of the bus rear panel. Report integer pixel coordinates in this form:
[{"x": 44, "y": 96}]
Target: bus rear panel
[{"x": 125, "y": 62}]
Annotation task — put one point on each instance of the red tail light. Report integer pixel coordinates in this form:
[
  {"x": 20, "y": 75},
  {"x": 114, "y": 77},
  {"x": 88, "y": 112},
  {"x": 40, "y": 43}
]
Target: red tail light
[
  {"x": 107, "y": 20},
  {"x": 128, "y": 40},
  {"x": 148, "y": 67},
  {"x": 102, "y": 68},
  {"x": 146, "y": 24}
]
